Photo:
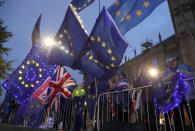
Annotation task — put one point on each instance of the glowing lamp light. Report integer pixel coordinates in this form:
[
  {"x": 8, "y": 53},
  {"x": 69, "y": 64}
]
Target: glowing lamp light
[
  {"x": 85, "y": 103},
  {"x": 49, "y": 41},
  {"x": 161, "y": 121},
  {"x": 153, "y": 72}
]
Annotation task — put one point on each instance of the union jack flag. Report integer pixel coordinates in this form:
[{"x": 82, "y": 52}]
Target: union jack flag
[
  {"x": 61, "y": 84},
  {"x": 41, "y": 93}
]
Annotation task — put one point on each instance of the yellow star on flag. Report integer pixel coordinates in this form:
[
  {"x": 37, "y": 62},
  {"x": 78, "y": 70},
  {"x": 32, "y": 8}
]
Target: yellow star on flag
[
  {"x": 98, "y": 39},
  {"x": 20, "y": 72},
  {"x": 32, "y": 85},
  {"x": 60, "y": 42},
  {"x": 122, "y": 19},
  {"x": 139, "y": 12},
  {"x": 92, "y": 38},
  {"x": 117, "y": 3},
  {"x": 62, "y": 47},
  {"x": 128, "y": 17},
  {"x": 61, "y": 36},
  {"x": 90, "y": 57},
  {"x": 66, "y": 51},
  {"x": 40, "y": 70},
  {"x": 107, "y": 67},
  {"x": 28, "y": 62},
  {"x": 26, "y": 85},
  {"x": 87, "y": 53},
  {"x": 113, "y": 58},
  {"x": 40, "y": 75},
  {"x": 96, "y": 61},
  {"x": 20, "y": 78},
  {"x": 109, "y": 51},
  {"x": 23, "y": 66},
  {"x": 146, "y": 4},
  {"x": 112, "y": 65},
  {"x": 68, "y": 37},
  {"x": 37, "y": 64},
  {"x": 118, "y": 13},
  {"x": 104, "y": 44},
  {"x": 22, "y": 83}
]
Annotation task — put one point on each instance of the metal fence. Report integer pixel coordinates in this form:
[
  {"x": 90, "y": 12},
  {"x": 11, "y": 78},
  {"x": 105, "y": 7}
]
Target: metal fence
[{"x": 136, "y": 106}]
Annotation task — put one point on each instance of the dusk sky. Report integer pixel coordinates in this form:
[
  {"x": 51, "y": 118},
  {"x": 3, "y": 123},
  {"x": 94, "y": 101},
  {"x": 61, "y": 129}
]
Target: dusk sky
[{"x": 20, "y": 16}]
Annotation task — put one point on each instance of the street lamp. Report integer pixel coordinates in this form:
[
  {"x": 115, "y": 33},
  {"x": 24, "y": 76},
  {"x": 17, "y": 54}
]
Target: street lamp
[
  {"x": 48, "y": 41},
  {"x": 153, "y": 72}
]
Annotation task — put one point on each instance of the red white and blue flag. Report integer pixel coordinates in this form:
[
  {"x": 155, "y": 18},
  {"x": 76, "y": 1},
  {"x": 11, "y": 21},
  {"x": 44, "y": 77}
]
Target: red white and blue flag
[
  {"x": 41, "y": 93},
  {"x": 61, "y": 84}
]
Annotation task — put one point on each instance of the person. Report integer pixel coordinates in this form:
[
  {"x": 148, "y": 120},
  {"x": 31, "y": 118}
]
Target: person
[
  {"x": 174, "y": 66},
  {"x": 147, "y": 97},
  {"x": 118, "y": 105}
]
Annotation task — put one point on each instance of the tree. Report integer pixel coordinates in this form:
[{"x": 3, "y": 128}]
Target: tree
[{"x": 5, "y": 65}]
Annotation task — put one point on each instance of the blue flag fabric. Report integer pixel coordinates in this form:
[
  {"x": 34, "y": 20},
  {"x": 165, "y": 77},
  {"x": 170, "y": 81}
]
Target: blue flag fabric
[
  {"x": 70, "y": 38},
  {"x": 36, "y": 32},
  {"x": 90, "y": 99},
  {"x": 128, "y": 13},
  {"x": 79, "y": 113},
  {"x": 32, "y": 109},
  {"x": 35, "y": 112},
  {"x": 32, "y": 72},
  {"x": 6, "y": 108},
  {"x": 81, "y": 4},
  {"x": 104, "y": 48}
]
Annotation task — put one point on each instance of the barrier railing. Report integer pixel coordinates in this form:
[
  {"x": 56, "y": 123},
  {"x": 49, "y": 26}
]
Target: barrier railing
[{"x": 136, "y": 106}]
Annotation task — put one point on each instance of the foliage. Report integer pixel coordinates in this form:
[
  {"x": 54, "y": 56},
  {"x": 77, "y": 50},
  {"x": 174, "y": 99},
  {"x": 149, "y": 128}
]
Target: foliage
[{"x": 5, "y": 65}]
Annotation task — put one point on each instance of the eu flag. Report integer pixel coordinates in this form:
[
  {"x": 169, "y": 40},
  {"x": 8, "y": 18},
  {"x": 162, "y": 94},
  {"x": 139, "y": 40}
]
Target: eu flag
[
  {"x": 104, "y": 48},
  {"x": 36, "y": 32},
  {"x": 90, "y": 99},
  {"x": 32, "y": 109},
  {"x": 81, "y": 4},
  {"x": 32, "y": 72},
  {"x": 79, "y": 113},
  {"x": 35, "y": 112},
  {"x": 128, "y": 13},
  {"x": 70, "y": 38}
]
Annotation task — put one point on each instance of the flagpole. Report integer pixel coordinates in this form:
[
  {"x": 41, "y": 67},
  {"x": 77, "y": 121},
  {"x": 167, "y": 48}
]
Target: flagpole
[
  {"x": 99, "y": 5},
  {"x": 96, "y": 95}
]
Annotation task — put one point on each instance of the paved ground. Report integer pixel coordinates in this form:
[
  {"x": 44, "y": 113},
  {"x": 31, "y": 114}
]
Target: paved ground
[{"x": 6, "y": 127}]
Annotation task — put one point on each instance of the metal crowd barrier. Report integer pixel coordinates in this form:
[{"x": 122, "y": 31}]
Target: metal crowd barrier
[
  {"x": 134, "y": 108},
  {"x": 64, "y": 119}
]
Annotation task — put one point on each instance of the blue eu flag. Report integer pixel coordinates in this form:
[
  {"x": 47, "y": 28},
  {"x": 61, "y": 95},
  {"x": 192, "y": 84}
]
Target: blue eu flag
[
  {"x": 70, "y": 39},
  {"x": 32, "y": 72},
  {"x": 81, "y": 4},
  {"x": 36, "y": 32},
  {"x": 79, "y": 113},
  {"x": 128, "y": 13},
  {"x": 90, "y": 99},
  {"x": 104, "y": 48},
  {"x": 35, "y": 112}
]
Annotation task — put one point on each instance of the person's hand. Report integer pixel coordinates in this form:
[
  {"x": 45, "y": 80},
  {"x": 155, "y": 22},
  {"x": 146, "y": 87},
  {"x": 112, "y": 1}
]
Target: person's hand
[{"x": 111, "y": 85}]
